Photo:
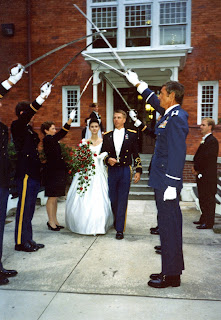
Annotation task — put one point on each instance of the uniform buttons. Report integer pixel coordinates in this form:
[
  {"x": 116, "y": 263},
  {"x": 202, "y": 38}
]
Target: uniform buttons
[
  {"x": 125, "y": 156},
  {"x": 27, "y": 155},
  {"x": 126, "y": 150},
  {"x": 124, "y": 162}
]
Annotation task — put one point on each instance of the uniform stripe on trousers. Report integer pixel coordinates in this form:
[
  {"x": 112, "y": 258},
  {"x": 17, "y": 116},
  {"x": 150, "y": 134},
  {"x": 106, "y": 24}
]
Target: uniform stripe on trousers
[{"x": 24, "y": 192}]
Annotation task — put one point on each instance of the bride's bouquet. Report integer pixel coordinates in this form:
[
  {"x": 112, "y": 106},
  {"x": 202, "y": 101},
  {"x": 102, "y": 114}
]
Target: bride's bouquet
[{"x": 82, "y": 162}]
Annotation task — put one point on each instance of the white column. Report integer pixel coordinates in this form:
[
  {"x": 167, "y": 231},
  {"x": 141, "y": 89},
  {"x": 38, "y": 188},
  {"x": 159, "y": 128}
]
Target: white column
[
  {"x": 109, "y": 107},
  {"x": 96, "y": 81},
  {"x": 174, "y": 75}
]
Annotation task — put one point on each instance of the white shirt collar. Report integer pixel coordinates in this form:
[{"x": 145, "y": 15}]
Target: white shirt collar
[
  {"x": 206, "y": 135},
  {"x": 170, "y": 108}
]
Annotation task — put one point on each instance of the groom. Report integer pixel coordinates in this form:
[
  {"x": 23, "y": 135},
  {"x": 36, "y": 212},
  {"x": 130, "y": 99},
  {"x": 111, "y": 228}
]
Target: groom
[{"x": 120, "y": 145}]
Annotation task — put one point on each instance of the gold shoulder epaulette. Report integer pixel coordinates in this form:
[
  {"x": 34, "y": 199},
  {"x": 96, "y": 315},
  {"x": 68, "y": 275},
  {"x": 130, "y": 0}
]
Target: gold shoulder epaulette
[
  {"x": 107, "y": 132},
  {"x": 132, "y": 130}
]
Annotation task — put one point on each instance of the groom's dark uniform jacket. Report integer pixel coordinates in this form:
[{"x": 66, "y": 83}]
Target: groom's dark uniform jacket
[
  {"x": 205, "y": 163},
  {"x": 129, "y": 148},
  {"x": 119, "y": 175}
]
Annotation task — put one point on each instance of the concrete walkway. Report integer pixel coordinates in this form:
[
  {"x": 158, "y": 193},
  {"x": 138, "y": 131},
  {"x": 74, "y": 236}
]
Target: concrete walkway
[{"x": 86, "y": 277}]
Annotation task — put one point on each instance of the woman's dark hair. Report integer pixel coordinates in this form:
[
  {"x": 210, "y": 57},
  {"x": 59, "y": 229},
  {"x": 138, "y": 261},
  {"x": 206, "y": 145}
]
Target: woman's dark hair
[
  {"x": 21, "y": 106},
  {"x": 92, "y": 121},
  {"x": 46, "y": 126}
]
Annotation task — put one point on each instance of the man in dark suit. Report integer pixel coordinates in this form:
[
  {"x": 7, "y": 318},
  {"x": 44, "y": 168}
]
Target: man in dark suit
[
  {"x": 120, "y": 144},
  {"x": 166, "y": 174},
  {"x": 205, "y": 170},
  {"x": 95, "y": 115},
  {"x": 5, "y": 86}
]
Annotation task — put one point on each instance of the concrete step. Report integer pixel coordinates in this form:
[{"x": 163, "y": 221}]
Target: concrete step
[
  {"x": 140, "y": 188},
  {"x": 147, "y": 195}
]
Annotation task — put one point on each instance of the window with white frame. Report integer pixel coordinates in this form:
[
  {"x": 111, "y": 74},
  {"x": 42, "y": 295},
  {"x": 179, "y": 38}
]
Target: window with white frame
[
  {"x": 173, "y": 20},
  {"x": 207, "y": 100},
  {"x": 70, "y": 96},
  {"x": 138, "y": 25},
  {"x": 141, "y": 23}
]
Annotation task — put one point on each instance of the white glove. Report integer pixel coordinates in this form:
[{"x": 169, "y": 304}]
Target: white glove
[
  {"x": 137, "y": 123},
  {"x": 132, "y": 77},
  {"x": 16, "y": 73},
  {"x": 72, "y": 114},
  {"x": 102, "y": 155},
  {"x": 133, "y": 115},
  {"x": 45, "y": 90},
  {"x": 170, "y": 193}
]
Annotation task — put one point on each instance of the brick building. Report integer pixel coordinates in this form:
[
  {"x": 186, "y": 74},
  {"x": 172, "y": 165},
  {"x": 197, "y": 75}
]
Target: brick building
[{"x": 159, "y": 39}]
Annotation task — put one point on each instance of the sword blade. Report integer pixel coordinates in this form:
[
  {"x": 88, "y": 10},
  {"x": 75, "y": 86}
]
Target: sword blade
[
  {"x": 103, "y": 37},
  {"x": 115, "y": 88},
  {"x": 57, "y": 49},
  {"x": 104, "y": 64},
  {"x": 69, "y": 62}
]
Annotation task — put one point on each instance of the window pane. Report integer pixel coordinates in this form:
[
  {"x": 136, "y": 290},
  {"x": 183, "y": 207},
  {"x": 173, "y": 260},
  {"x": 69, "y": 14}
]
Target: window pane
[
  {"x": 173, "y": 12},
  {"x": 137, "y": 37},
  {"x": 172, "y": 35},
  {"x": 207, "y": 101},
  {"x": 138, "y": 15},
  {"x": 111, "y": 36},
  {"x": 105, "y": 17},
  {"x": 71, "y": 103}
]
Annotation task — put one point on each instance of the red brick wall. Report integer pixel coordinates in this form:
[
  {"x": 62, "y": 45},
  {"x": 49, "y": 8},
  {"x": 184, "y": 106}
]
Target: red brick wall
[
  {"x": 203, "y": 64},
  {"x": 55, "y": 22}
]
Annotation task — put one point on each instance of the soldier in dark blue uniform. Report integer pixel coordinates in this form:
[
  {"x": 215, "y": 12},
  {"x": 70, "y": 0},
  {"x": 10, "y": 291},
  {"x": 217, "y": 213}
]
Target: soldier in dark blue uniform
[
  {"x": 26, "y": 142},
  {"x": 166, "y": 175},
  {"x": 120, "y": 144},
  {"x": 5, "y": 86}
]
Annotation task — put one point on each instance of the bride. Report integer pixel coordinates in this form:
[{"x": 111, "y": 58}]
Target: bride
[{"x": 91, "y": 212}]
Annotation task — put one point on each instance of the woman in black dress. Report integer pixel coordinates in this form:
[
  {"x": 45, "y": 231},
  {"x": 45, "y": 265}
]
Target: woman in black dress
[{"x": 56, "y": 171}]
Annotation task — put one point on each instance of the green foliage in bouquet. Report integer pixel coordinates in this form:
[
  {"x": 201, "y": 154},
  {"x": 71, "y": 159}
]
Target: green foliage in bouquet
[{"x": 82, "y": 162}]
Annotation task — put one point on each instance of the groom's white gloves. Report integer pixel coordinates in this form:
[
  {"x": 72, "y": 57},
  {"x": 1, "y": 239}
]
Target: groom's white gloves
[
  {"x": 102, "y": 155},
  {"x": 133, "y": 116},
  {"x": 132, "y": 77},
  {"x": 170, "y": 193}
]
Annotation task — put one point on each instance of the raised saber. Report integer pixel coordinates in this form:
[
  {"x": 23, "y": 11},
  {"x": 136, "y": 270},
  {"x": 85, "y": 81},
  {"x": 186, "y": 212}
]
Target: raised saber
[
  {"x": 69, "y": 62},
  {"x": 57, "y": 49},
  {"x": 103, "y": 37},
  {"x": 113, "y": 86},
  {"x": 85, "y": 87},
  {"x": 104, "y": 64}
]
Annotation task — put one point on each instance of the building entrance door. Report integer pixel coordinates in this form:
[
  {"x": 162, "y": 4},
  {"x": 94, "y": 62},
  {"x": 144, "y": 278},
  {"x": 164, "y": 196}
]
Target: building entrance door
[{"x": 145, "y": 113}]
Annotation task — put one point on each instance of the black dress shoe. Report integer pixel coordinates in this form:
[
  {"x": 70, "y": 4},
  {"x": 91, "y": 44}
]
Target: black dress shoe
[
  {"x": 165, "y": 281},
  {"x": 26, "y": 247},
  {"x": 8, "y": 273},
  {"x": 204, "y": 226},
  {"x": 60, "y": 227},
  {"x": 36, "y": 245},
  {"x": 158, "y": 251},
  {"x": 196, "y": 222},
  {"x": 155, "y": 231},
  {"x": 119, "y": 235},
  {"x": 157, "y": 247},
  {"x": 3, "y": 281},
  {"x": 155, "y": 276},
  {"x": 51, "y": 228}
]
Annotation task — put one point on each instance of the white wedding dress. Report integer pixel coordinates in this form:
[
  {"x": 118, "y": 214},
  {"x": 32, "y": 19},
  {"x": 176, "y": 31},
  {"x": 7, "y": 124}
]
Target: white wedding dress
[{"x": 91, "y": 212}]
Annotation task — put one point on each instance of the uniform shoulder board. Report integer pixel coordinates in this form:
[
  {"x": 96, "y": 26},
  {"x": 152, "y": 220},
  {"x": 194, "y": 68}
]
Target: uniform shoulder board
[
  {"x": 132, "y": 130},
  {"x": 107, "y": 132},
  {"x": 175, "y": 113}
]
